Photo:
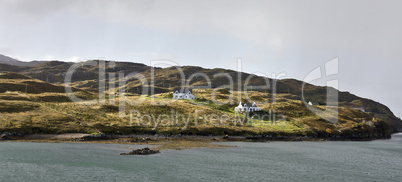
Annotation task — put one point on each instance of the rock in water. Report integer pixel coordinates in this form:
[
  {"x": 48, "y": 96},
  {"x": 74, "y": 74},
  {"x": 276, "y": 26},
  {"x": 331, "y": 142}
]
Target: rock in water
[{"x": 144, "y": 151}]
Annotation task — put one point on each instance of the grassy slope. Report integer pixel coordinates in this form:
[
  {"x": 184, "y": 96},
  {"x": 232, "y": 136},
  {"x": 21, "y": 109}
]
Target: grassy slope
[
  {"x": 24, "y": 113},
  {"x": 168, "y": 78},
  {"x": 45, "y": 108}
]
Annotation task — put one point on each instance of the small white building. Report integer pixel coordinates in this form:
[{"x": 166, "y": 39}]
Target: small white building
[
  {"x": 183, "y": 94},
  {"x": 359, "y": 108},
  {"x": 247, "y": 107}
]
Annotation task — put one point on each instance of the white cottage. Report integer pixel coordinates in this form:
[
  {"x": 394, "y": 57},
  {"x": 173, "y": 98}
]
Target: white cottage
[
  {"x": 359, "y": 108},
  {"x": 247, "y": 107},
  {"x": 183, "y": 94}
]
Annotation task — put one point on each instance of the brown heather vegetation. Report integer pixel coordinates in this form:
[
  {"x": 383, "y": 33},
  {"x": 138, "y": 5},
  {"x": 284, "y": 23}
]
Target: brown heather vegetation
[{"x": 30, "y": 106}]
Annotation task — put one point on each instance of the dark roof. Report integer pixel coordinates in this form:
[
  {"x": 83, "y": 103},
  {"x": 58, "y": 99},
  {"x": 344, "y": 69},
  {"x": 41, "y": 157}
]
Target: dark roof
[
  {"x": 183, "y": 90},
  {"x": 248, "y": 105}
]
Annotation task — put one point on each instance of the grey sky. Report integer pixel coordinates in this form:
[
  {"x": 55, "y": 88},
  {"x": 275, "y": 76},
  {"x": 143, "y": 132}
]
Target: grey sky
[{"x": 270, "y": 36}]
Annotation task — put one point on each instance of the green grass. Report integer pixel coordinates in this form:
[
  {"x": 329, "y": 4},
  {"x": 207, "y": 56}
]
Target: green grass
[{"x": 51, "y": 113}]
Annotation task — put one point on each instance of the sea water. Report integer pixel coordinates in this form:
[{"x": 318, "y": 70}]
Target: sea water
[{"x": 379, "y": 160}]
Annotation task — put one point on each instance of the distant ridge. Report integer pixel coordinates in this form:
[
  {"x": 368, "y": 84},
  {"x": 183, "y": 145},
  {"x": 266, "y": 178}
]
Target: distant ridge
[{"x": 15, "y": 62}]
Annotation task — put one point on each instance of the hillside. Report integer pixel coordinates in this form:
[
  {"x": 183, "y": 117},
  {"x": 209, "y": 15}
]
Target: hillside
[
  {"x": 36, "y": 87},
  {"x": 53, "y": 113},
  {"x": 15, "y": 62},
  {"x": 54, "y": 71}
]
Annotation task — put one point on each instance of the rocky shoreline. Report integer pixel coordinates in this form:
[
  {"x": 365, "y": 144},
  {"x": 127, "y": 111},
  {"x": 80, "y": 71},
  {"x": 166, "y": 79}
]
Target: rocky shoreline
[
  {"x": 82, "y": 137},
  {"x": 174, "y": 142},
  {"x": 355, "y": 137}
]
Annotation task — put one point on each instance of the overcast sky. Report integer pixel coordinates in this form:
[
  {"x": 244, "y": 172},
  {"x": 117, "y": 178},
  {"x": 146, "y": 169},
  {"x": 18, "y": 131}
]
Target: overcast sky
[{"x": 293, "y": 37}]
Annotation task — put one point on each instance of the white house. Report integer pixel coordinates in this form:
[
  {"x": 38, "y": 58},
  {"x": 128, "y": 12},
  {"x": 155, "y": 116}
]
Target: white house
[
  {"x": 183, "y": 94},
  {"x": 247, "y": 107},
  {"x": 359, "y": 108}
]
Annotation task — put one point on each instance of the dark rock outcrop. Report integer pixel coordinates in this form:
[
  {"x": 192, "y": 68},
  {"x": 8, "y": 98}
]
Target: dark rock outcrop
[
  {"x": 144, "y": 151},
  {"x": 10, "y": 135}
]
